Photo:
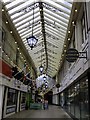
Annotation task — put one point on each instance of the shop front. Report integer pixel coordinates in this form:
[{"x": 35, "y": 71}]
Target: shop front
[
  {"x": 22, "y": 100},
  {"x": 76, "y": 99},
  {"x": 11, "y": 104}
]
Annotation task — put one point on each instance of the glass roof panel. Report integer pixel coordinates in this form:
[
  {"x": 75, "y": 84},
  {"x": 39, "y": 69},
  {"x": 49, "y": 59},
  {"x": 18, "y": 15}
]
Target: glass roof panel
[
  {"x": 28, "y": 19},
  {"x": 29, "y": 30},
  {"x": 55, "y": 23},
  {"x": 30, "y": 34},
  {"x": 13, "y": 3},
  {"x": 21, "y": 6},
  {"x": 26, "y": 15},
  {"x": 58, "y": 6},
  {"x": 57, "y": 31},
  {"x": 54, "y": 33},
  {"x": 55, "y": 17},
  {"x": 34, "y": 31},
  {"x": 28, "y": 24}
]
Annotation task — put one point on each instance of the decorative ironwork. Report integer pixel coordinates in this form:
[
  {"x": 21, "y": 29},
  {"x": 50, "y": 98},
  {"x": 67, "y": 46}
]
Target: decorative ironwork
[
  {"x": 29, "y": 8},
  {"x": 49, "y": 7}
]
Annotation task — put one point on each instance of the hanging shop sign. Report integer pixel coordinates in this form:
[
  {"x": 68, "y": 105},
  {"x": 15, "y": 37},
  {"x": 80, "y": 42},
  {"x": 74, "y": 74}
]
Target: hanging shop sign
[{"x": 72, "y": 55}]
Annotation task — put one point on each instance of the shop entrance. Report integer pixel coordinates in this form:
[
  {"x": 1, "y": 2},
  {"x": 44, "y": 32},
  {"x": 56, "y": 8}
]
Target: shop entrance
[{"x": 48, "y": 96}]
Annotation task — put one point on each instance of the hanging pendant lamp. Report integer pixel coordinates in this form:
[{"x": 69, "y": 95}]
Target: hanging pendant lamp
[{"x": 32, "y": 41}]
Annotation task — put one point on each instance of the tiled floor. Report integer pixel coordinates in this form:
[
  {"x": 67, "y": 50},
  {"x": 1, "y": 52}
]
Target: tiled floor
[{"x": 52, "y": 112}]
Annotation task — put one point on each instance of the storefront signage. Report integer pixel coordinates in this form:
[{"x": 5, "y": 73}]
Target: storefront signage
[
  {"x": 10, "y": 109},
  {"x": 72, "y": 55}
]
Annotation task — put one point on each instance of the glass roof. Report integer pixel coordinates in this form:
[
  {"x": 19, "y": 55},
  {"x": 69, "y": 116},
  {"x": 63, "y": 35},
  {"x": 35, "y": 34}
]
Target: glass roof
[{"x": 49, "y": 24}]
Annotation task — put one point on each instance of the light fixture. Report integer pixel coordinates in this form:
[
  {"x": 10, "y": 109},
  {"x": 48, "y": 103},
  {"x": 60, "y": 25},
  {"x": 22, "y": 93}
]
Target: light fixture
[
  {"x": 75, "y": 10},
  {"x": 69, "y": 31},
  {"x": 46, "y": 83},
  {"x": 72, "y": 22},
  {"x": 2, "y": 10},
  {"x": 41, "y": 68},
  {"x": 44, "y": 78},
  {"x": 46, "y": 86},
  {"x": 64, "y": 50},
  {"x": 11, "y": 32},
  {"x": 64, "y": 45},
  {"x": 32, "y": 41},
  {"x": 68, "y": 39},
  {"x": 6, "y": 22}
]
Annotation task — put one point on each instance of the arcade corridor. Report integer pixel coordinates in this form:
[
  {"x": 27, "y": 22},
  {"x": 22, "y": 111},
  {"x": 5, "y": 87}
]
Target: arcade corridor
[
  {"x": 52, "y": 112},
  {"x": 45, "y": 59}
]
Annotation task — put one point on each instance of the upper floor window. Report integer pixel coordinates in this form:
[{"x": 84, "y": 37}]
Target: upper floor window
[
  {"x": 73, "y": 39},
  {"x": 84, "y": 24},
  {"x": 2, "y": 36},
  {"x": 83, "y": 28}
]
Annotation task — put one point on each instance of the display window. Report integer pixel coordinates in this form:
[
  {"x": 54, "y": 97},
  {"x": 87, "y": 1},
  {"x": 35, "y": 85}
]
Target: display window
[
  {"x": 84, "y": 99},
  {"x": 71, "y": 97},
  {"x": 23, "y": 100},
  {"x": 11, "y": 101},
  {"x": 77, "y": 99}
]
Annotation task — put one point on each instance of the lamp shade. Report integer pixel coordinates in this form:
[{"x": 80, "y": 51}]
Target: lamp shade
[
  {"x": 44, "y": 78},
  {"x": 41, "y": 68},
  {"x": 32, "y": 41}
]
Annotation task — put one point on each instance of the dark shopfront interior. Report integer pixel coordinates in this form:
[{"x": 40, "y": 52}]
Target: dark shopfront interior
[
  {"x": 48, "y": 97},
  {"x": 75, "y": 99}
]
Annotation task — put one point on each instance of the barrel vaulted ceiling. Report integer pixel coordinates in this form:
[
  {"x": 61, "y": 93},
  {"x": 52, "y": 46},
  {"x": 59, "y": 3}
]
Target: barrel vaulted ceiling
[{"x": 51, "y": 18}]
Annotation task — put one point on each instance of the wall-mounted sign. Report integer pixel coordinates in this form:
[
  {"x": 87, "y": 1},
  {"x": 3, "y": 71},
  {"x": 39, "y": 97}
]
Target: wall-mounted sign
[{"x": 72, "y": 54}]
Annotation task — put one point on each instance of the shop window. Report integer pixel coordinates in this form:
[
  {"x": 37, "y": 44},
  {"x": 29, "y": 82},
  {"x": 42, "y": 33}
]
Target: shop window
[
  {"x": 77, "y": 100},
  {"x": 23, "y": 98},
  {"x": 83, "y": 28},
  {"x": 68, "y": 101},
  {"x": 72, "y": 100},
  {"x": 11, "y": 97},
  {"x": 84, "y": 99}
]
